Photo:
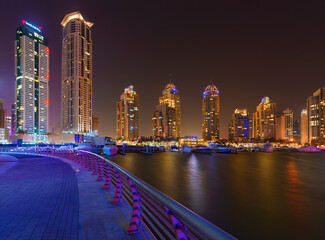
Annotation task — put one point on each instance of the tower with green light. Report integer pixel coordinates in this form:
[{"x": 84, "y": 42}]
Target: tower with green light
[{"x": 32, "y": 80}]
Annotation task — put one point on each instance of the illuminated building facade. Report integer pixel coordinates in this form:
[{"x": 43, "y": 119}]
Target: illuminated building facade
[
  {"x": 264, "y": 120},
  {"x": 166, "y": 120},
  {"x": 127, "y": 118},
  {"x": 95, "y": 125},
  {"x": 2, "y": 114},
  {"x": 13, "y": 119},
  {"x": 296, "y": 131},
  {"x": 284, "y": 125},
  {"x": 76, "y": 74},
  {"x": 32, "y": 80},
  {"x": 211, "y": 113},
  {"x": 304, "y": 126},
  {"x": 239, "y": 125},
  {"x": 316, "y": 116}
]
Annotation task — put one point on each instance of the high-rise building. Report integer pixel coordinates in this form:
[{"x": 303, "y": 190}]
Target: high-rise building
[
  {"x": 297, "y": 130},
  {"x": 166, "y": 120},
  {"x": 304, "y": 126},
  {"x": 2, "y": 114},
  {"x": 13, "y": 119},
  {"x": 316, "y": 116},
  {"x": 76, "y": 74},
  {"x": 127, "y": 118},
  {"x": 284, "y": 125},
  {"x": 264, "y": 120},
  {"x": 32, "y": 79},
  {"x": 239, "y": 125},
  {"x": 95, "y": 125},
  {"x": 211, "y": 113}
]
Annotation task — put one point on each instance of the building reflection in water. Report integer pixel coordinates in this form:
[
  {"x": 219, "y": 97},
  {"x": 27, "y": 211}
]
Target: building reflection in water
[{"x": 295, "y": 193}]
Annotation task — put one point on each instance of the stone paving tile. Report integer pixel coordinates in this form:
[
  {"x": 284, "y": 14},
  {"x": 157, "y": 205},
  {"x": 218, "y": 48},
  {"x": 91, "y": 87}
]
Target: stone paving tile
[{"x": 39, "y": 199}]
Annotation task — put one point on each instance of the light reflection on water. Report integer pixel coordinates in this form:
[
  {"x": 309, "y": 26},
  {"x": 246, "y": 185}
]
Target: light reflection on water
[{"x": 250, "y": 195}]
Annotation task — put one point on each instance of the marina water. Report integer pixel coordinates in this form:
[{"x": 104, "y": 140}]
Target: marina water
[{"x": 279, "y": 195}]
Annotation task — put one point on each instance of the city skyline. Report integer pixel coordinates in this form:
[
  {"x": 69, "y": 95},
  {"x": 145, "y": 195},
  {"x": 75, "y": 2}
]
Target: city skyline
[{"x": 236, "y": 91}]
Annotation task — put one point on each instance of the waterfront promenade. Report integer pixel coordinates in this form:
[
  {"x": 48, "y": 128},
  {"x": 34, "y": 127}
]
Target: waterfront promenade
[{"x": 48, "y": 198}]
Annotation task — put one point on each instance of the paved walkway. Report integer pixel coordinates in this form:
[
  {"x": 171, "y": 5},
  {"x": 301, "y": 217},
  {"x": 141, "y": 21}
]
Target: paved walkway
[{"x": 46, "y": 198}]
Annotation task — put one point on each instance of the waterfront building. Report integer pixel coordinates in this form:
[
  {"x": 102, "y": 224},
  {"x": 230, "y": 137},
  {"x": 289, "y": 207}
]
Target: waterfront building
[
  {"x": 239, "y": 125},
  {"x": 316, "y": 116},
  {"x": 211, "y": 113},
  {"x": 284, "y": 125},
  {"x": 191, "y": 141},
  {"x": 264, "y": 120},
  {"x": 166, "y": 120},
  {"x": 304, "y": 127},
  {"x": 95, "y": 125},
  {"x": 127, "y": 118},
  {"x": 13, "y": 119},
  {"x": 2, "y": 114},
  {"x": 76, "y": 74},
  {"x": 32, "y": 80},
  {"x": 7, "y": 127},
  {"x": 297, "y": 130}
]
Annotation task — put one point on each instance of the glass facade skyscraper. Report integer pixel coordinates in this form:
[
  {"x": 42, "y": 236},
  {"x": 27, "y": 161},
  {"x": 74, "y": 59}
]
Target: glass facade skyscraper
[
  {"x": 32, "y": 80},
  {"x": 76, "y": 74},
  {"x": 166, "y": 120},
  {"x": 211, "y": 113},
  {"x": 127, "y": 122}
]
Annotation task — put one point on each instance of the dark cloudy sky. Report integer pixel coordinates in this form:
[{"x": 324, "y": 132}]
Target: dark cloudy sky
[{"x": 249, "y": 49}]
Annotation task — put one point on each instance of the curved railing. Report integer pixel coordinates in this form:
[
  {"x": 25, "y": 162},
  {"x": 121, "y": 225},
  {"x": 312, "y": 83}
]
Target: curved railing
[{"x": 153, "y": 214}]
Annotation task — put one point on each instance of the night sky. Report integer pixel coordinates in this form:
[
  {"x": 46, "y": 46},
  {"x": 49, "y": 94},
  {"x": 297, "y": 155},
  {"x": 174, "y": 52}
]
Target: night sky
[{"x": 248, "y": 49}]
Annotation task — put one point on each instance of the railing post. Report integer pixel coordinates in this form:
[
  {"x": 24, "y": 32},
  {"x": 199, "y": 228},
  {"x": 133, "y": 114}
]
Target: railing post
[
  {"x": 118, "y": 190},
  {"x": 101, "y": 170},
  {"x": 108, "y": 177},
  {"x": 178, "y": 226},
  {"x": 137, "y": 210},
  {"x": 95, "y": 166}
]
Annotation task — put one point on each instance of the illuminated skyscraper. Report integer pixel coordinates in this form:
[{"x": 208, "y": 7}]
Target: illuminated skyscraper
[
  {"x": 284, "y": 125},
  {"x": 76, "y": 74},
  {"x": 166, "y": 120},
  {"x": 316, "y": 116},
  {"x": 211, "y": 113},
  {"x": 32, "y": 79},
  {"x": 239, "y": 125},
  {"x": 2, "y": 114},
  {"x": 127, "y": 118},
  {"x": 304, "y": 127},
  {"x": 264, "y": 120}
]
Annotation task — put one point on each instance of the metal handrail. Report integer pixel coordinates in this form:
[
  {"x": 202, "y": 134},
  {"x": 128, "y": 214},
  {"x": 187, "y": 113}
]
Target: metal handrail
[{"x": 186, "y": 223}]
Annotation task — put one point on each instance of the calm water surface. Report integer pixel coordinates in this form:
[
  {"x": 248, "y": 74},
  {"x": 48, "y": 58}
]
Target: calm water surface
[{"x": 250, "y": 195}]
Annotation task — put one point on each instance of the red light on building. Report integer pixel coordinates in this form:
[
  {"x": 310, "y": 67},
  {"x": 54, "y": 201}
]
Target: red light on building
[
  {"x": 47, "y": 102},
  {"x": 24, "y": 22},
  {"x": 40, "y": 28},
  {"x": 47, "y": 50},
  {"x": 47, "y": 75}
]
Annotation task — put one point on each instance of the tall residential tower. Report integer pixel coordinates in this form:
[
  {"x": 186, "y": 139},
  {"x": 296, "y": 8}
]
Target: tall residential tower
[
  {"x": 316, "y": 116},
  {"x": 239, "y": 125},
  {"x": 264, "y": 120},
  {"x": 32, "y": 79},
  {"x": 76, "y": 74},
  {"x": 211, "y": 113},
  {"x": 127, "y": 119},
  {"x": 166, "y": 120}
]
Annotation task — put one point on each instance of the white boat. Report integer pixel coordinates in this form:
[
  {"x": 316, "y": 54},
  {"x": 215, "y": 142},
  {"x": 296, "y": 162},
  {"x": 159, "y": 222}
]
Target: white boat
[
  {"x": 267, "y": 148},
  {"x": 173, "y": 148},
  {"x": 309, "y": 149},
  {"x": 110, "y": 148},
  {"x": 185, "y": 149},
  {"x": 202, "y": 149}
]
